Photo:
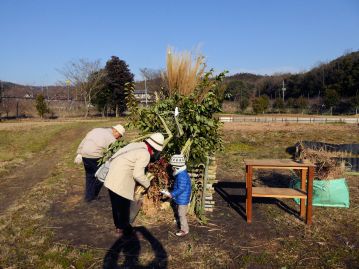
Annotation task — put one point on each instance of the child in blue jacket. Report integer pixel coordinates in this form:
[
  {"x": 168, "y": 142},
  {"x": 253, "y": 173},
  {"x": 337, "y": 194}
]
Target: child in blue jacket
[{"x": 181, "y": 193}]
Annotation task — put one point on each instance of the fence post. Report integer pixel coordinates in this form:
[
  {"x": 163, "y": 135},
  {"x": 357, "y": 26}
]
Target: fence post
[{"x": 205, "y": 180}]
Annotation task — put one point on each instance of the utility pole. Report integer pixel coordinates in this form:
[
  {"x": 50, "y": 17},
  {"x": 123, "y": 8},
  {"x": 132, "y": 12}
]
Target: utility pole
[
  {"x": 283, "y": 90},
  {"x": 146, "y": 90},
  {"x": 68, "y": 82}
]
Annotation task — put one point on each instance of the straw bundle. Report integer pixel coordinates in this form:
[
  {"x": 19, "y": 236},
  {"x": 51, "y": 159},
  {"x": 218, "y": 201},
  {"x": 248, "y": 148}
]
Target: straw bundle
[
  {"x": 327, "y": 164},
  {"x": 183, "y": 72}
]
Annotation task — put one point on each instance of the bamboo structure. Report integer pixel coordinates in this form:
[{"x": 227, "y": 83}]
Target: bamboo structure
[
  {"x": 203, "y": 177},
  {"x": 211, "y": 179}
]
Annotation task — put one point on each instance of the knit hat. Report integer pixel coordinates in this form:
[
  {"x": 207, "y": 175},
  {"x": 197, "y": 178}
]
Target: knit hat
[
  {"x": 119, "y": 128},
  {"x": 156, "y": 141},
  {"x": 178, "y": 160}
]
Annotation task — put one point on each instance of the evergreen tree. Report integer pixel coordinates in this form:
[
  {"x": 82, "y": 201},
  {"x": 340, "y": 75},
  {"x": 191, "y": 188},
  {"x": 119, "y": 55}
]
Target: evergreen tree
[
  {"x": 331, "y": 97},
  {"x": 41, "y": 105},
  {"x": 260, "y": 104},
  {"x": 279, "y": 104},
  {"x": 301, "y": 103},
  {"x": 118, "y": 74}
]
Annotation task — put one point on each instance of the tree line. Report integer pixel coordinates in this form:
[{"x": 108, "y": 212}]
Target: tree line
[
  {"x": 333, "y": 85},
  {"x": 100, "y": 87}
]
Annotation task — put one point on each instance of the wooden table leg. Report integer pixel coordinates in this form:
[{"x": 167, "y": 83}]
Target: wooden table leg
[
  {"x": 249, "y": 174},
  {"x": 310, "y": 195},
  {"x": 303, "y": 188}
]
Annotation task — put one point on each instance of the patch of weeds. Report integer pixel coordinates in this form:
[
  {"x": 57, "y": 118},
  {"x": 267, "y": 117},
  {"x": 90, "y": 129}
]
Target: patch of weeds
[
  {"x": 84, "y": 259},
  {"x": 238, "y": 147},
  {"x": 337, "y": 123},
  {"x": 249, "y": 260},
  {"x": 57, "y": 257},
  {"x": 334, "y": 257},
  {"x": 189, "y": 249},
  {"x": 66, "y": 257}
]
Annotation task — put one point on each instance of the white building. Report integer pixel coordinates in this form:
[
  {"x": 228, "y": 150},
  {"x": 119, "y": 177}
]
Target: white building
[{"x": 140, "y": 96}]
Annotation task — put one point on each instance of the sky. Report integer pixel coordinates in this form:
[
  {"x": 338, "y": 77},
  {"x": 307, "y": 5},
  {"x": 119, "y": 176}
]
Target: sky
[{"x": 38, "y": 37}]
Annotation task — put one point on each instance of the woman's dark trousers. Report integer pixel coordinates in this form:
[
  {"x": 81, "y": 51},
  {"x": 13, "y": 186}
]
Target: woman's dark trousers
[
  {"x": 93, "y": 186},
  {"x": 120, "y": 211}
]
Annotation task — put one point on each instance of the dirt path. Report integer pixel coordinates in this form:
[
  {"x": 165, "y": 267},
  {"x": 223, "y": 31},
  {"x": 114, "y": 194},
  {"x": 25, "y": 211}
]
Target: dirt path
[
  {"x": 225, "y": 237},
  {"x": 15, "y": 182}
]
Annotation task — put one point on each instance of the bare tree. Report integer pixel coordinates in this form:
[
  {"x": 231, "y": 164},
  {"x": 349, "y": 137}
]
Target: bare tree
[
  {"x": 150, "y": 74},
  {"x": 153, "y": 79},
  {"x": 86, "y": 76}
]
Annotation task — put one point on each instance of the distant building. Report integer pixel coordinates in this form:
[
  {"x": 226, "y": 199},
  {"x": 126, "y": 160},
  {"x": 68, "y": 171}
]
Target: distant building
[
  {"x": 140, "y": 96},
  {"x": 28, "y": 95}
]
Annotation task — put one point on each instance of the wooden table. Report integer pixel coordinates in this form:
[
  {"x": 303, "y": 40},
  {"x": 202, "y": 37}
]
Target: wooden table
[{"x": 305, "y": 192}]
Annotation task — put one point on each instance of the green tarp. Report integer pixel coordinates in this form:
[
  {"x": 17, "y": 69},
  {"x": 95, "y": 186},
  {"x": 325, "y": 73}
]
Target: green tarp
[{"x": 330, "y": 193}]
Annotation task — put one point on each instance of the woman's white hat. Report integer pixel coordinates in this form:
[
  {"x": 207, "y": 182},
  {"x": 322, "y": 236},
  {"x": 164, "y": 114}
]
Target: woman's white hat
[
  {"x": 119, "y": 128},
  {"x": 156, "y": 141}
]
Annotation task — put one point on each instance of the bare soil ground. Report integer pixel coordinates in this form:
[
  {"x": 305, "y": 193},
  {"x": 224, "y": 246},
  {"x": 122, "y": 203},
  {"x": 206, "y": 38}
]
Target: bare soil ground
[
  {"x": 69, "y": 233},
  {"x": 32, "y": 171}
]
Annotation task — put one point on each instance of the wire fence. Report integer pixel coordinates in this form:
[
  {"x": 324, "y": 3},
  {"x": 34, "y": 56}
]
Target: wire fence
[{"x": 354, "y": 120}]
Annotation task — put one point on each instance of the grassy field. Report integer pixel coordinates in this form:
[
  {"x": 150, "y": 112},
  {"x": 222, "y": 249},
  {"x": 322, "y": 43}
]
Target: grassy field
[
  {"x": 333, "y": 239},
  {"x": 46, "y": 225}
]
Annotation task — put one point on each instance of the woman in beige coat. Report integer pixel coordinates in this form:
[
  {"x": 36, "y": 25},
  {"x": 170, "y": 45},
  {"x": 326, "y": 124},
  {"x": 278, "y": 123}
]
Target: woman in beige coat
[{"x": 126, "y": 168}]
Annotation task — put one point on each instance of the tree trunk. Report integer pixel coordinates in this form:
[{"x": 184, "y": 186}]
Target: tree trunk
[
  {"x": 117, "y": 114},
  {"x": 86, "y": 109},
  {"x": 103, "y": 111}
]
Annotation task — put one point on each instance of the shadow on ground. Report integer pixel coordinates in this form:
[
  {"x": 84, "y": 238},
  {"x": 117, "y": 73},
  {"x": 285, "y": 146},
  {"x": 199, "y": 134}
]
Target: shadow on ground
[
  {"x": 234, "y": 193},
  {"x": 130, "y": 246}
]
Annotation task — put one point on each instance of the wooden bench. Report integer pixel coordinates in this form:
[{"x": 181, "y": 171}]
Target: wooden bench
[{"x": 304, "y": 194}]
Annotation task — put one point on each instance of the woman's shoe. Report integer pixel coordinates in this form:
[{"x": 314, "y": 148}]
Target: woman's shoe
[
  {"x": 181, "y": 233},
  {"x": 128, "y": 230}
]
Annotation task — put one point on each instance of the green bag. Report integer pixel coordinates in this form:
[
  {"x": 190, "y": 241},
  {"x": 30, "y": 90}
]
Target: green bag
[{"x": 329, "y": 193}]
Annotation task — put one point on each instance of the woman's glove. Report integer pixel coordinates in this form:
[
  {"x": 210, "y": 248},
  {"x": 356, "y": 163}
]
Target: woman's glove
[
  {"x": 150, "y": 176},
  {"x": 78, "y": 159}
]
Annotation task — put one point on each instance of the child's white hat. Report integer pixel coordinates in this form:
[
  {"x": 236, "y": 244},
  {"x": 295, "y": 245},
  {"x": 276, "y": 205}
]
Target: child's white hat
[{"x": 178, "y": 160}]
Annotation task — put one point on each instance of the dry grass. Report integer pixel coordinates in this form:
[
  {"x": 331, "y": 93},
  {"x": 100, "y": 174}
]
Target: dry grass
[
  {"x": 183, "y": 71},
  {"x": 326, "y": 166}
]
